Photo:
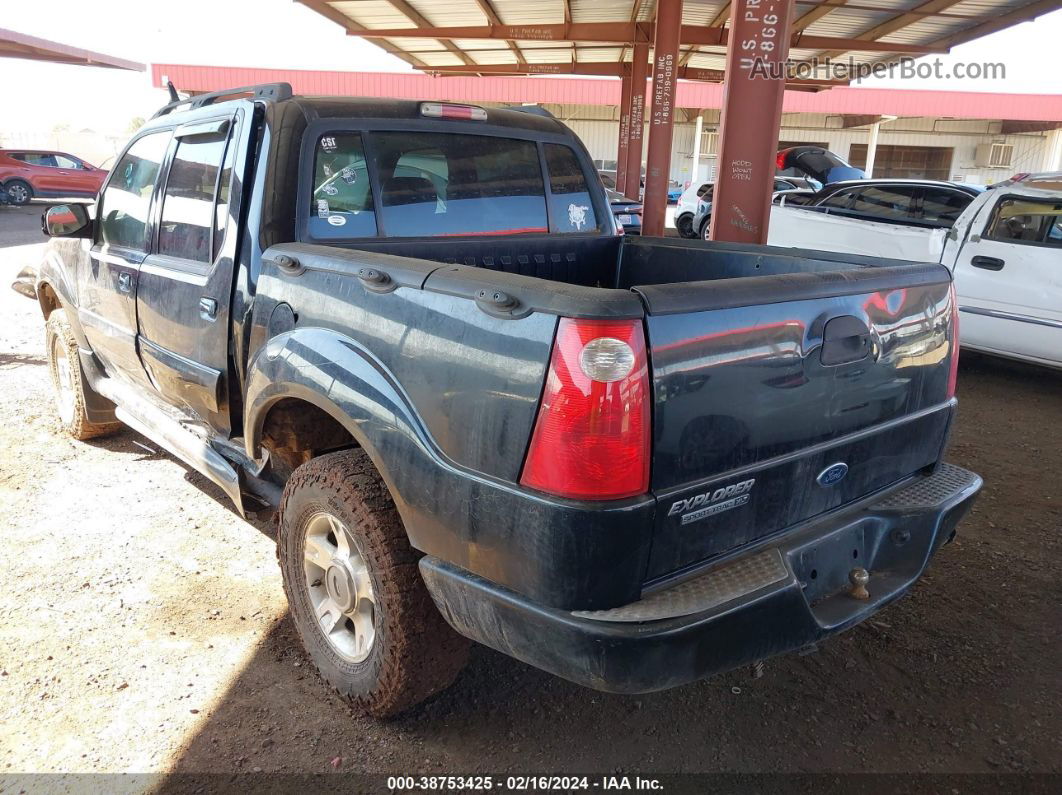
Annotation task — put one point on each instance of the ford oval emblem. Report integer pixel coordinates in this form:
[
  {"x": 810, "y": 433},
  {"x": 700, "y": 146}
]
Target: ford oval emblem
[{"x": 832, "y": 474}]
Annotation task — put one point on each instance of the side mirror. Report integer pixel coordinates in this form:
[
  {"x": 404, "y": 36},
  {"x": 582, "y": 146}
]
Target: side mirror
[{"x": 66, "y": 220}]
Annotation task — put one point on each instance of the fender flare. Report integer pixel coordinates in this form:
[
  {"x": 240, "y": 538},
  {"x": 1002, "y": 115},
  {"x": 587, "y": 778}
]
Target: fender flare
[
  {"x": 53, "y": 275},
  {"x": 343, "y": 379}
]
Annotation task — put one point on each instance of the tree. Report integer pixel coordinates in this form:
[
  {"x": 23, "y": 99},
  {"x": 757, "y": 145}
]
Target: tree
[{"x": 135, "y": 124}]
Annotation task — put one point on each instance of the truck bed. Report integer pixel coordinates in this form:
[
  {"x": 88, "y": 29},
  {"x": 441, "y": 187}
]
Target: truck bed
[{"x": 741, "y": 390}]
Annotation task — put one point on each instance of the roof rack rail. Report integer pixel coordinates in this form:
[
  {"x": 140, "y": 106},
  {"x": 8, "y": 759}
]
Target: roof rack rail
[{"x": 272, "y": 91}]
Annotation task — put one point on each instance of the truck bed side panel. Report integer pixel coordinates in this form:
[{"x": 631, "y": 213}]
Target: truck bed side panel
[{"x": 474, "y": 379}]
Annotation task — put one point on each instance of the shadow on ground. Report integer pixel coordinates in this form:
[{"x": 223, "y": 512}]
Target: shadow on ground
[{"x": 943, "y": 681}]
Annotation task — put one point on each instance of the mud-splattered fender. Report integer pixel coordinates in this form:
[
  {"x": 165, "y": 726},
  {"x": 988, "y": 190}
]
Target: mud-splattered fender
[{"x": 559, "y": 552}]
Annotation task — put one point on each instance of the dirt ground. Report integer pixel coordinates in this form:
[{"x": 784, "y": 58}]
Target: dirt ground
[{"x": 143, "y": 629}]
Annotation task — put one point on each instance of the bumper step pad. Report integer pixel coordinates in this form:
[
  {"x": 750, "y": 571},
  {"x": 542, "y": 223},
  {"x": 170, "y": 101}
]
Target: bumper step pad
[{"x": 719, "y": 586}]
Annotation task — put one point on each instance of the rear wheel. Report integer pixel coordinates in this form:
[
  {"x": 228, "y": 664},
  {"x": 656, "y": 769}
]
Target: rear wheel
[
  {"x": 355, "y": 592},
  {"x": 706, "y": 228},
  {"x": 68, "y": 381},
  {"x": 684, "y": 225},
  {"x": 19, "y": 191}
]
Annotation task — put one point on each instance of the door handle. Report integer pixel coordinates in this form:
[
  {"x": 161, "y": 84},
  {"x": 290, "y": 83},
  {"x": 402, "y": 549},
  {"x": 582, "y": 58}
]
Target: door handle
[
  {"x": 845, "y": 339},
  {"x": 208, "y": 308},
  {"x": 125, "y": 281},
  {"x": 988, "y": 263}
]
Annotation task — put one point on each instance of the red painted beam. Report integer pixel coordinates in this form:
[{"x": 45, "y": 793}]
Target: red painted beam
[
  {"x": 752, "y": 115},
  {"x": 639, "y": 71},
  {"x": 661, "y": 115},
  {"x": 624, "y": 143},
  {"x": 625, "y": 33},
  {"x": 608, "y": 70}
]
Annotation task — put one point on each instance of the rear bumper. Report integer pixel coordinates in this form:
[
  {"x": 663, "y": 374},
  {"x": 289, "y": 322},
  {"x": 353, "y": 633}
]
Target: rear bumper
[{"x": 763, "y": 602}]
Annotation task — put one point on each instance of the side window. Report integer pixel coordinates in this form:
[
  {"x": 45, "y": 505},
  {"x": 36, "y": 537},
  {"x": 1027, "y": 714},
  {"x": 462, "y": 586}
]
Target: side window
[
  {"x": 341, "y": 204},
  {"x": 892, "y": 204},
  {"x": 124, "y": 205},
  {"x": 573, "y": 210},
  {"x": 435, "y": 184},
  {"x": 839, "y": 200},
  {"x": 187, "y": 223},
  {"x": 1026, "y": 221},
  {"x": 65, "y": 162},
  {"x": 942, "y": 206}
]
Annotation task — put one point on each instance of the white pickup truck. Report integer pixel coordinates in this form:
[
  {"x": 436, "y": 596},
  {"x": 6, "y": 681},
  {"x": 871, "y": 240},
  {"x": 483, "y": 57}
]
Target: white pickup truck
[{"x": 1005, "y": 251}]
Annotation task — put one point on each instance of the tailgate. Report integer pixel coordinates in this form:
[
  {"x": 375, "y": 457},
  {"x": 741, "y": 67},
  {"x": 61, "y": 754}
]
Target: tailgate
[{"x": 777, "y": 398}]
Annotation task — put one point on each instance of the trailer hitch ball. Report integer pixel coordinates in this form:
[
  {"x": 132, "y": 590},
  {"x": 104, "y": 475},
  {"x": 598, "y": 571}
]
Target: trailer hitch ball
[{"x": 859, "y": 577}]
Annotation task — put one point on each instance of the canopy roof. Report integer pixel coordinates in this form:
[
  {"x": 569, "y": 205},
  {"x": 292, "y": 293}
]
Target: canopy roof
[
  {"x": 594, "y": 36},
  {"x": 19, "y": 45}
]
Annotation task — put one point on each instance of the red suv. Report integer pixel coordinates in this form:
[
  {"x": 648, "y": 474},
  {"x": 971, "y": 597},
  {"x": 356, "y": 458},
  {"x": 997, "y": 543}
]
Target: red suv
[{"x": 27, "y": 173}]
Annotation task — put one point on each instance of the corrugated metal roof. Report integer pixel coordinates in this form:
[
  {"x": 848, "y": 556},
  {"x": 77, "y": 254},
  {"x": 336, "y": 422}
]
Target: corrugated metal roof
[{"x": 929, "y": 24}]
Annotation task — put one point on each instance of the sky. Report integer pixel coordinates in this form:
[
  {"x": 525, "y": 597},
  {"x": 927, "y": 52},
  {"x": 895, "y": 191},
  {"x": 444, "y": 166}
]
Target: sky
[{"x": 285, "y": 34}]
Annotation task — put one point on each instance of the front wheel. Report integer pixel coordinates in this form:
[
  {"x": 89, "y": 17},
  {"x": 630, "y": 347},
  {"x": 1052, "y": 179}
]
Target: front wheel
[
  {"x": 19, "y": 192},
  {"x": 684, "y": 225},
  {"x": 68, "y": 381},
  {"x": 355, "y": 592},
  {"x": 706, "y": 228}
]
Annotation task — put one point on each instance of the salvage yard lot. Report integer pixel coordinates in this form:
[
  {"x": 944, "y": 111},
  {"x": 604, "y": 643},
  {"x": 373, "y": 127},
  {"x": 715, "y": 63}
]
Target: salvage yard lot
[{"x": 143, "y": 627}]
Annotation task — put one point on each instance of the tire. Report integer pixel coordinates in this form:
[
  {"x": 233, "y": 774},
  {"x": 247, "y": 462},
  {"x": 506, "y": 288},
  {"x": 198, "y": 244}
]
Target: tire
[
  {"x": 372, "y": 589},
  {"x": 20, "y": 192},
  {"x": 706, "y": 228},
  {"x": 684, "y": 225},
  {"x": 68, "y": 381}
]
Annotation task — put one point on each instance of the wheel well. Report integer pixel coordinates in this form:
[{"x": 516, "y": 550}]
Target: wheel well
[
  {"x": 295, "y": 431},
  {"x": 47, "y": 298}
]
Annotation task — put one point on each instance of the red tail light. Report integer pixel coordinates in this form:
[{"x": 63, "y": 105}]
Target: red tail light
[
  {"x": 591, "y": 439},
  {"x": 448, "y": 110},
  {"x": 953, "y": 373},
  {"x": 779, "y": 160}
]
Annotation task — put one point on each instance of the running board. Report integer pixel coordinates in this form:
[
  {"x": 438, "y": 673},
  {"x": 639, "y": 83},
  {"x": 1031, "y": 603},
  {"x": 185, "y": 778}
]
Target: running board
[{"x": 147, "y": 419}]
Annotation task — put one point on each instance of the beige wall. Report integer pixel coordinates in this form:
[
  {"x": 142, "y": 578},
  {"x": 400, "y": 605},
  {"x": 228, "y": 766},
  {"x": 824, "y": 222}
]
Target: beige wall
[{"x": 598, "y": 129}]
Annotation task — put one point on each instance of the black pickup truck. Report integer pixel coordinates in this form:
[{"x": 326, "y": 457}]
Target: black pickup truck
[{"x": 412, "y": 329}]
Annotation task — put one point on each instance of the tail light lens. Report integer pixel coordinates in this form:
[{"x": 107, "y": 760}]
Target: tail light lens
[
  {"x": 592, "y": 435},
  {"x": 953, "y": 372},
  {"x": 447, "y": 110}
]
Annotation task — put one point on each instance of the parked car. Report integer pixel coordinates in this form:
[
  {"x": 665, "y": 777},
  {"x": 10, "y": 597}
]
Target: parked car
[
  {"x": 699, "y": 225},
  {"x": 817, "y": 163},
  {"x": 26, "y": 174},
  {"x": 627, "y": 211},
  {"x": 1004, "y": 250},
  {"x": 479, "y": 412},
  {"x": 687, "y": 207},
  {"x": 688, "y": 202},
  {"x": 608, "y": 179},
  {"x": 907, "y": 202}
]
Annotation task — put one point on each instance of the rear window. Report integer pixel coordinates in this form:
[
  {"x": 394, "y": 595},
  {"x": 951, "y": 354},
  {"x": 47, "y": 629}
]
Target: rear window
[
  {"x": 573, "y": 210},
  {"x": 341, "y": 204},
  {"x": 891, "y": 203},
  {"x": 430, "y": 185}
]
